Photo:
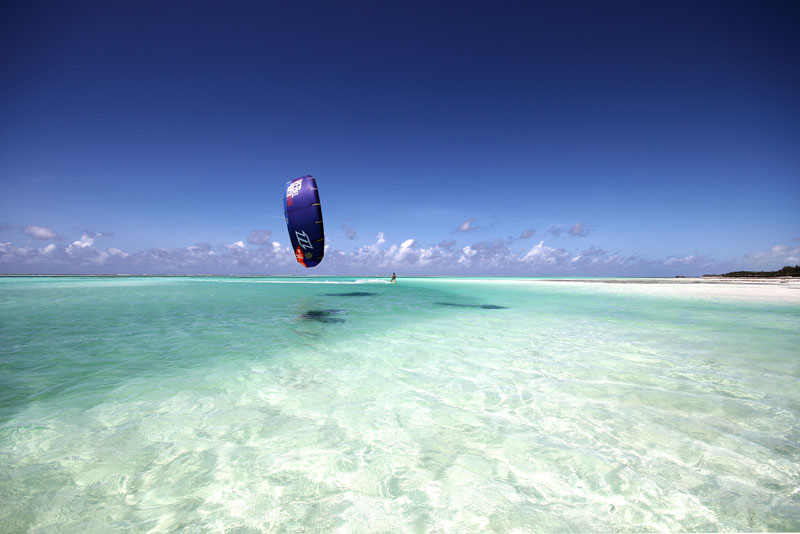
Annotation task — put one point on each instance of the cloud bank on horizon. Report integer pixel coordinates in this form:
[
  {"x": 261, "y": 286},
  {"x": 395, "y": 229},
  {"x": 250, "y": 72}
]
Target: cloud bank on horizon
[{"x": 261, "y": 255}]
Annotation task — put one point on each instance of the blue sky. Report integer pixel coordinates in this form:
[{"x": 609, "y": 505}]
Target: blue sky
[{"x": 596, "y": 139}]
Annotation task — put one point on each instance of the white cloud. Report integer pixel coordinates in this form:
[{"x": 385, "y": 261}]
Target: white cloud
[
  {"x": 406, "y": 256},
  {"x": 200, "y": 250},
  {"x": 486, "y": 257},
  {"x": 117, "y": 252},
  {"x": 681, "y": 260},
  {"x": 467, "y": 226},
  {"x": 349, "y": 231},
  {"x": 466, "y": 255},
  {"x": 776, "y": 257},
  {"x": 579, "y": 229},
  {"x": 541, "y": 254},
  {"x": 370, "y": 253},
  {"x": 85, "y": 241},
  {"x": 259, "y": 236},
  {"x": 555, "y": 230},
  {"x": 403, "y": 254},
  {"x": 39, "y": 232},
  {"x": 527, "y": 234}
]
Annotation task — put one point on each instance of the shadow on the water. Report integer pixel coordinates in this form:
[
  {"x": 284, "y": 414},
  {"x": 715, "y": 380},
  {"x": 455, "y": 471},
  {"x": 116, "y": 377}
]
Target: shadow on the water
[
  {"x": 483, "y": 306},
  {"x": 324, "y": 316},
  {"x": 351, "y": 294}
]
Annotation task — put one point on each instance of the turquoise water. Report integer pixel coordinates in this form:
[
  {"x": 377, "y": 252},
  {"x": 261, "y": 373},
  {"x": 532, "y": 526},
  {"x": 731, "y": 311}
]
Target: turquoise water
[{"x": 433, "y": 405}]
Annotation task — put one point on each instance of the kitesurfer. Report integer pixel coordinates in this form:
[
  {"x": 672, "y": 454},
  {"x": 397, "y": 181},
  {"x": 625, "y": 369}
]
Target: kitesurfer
[{"x": 394, "y": 278}]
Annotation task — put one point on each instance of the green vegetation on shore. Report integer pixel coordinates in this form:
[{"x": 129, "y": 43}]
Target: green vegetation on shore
[{"x": 786, "y": 271}]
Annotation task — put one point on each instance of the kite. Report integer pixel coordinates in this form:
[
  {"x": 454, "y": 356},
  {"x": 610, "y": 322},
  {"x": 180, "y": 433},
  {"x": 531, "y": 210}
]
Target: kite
[{"x": 304, "y": 220}]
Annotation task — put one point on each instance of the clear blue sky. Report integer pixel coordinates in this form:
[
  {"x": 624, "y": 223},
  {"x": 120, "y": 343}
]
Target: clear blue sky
[{"x": 578, "y": 138}]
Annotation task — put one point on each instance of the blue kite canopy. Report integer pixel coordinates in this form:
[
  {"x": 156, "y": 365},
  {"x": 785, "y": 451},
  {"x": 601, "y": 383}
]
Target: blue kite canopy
[{"x": 304, "y": 220}]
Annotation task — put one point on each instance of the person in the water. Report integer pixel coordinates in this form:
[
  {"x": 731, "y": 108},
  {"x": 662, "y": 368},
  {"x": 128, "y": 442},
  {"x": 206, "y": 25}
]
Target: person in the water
[{"x": 394, "y": 278}]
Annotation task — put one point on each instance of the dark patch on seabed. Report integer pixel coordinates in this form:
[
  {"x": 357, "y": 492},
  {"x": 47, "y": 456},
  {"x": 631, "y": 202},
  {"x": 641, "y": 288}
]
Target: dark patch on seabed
[
  {"x": 351, "y": 294},
  {"x": 323, "y": 316},
  {"x": 483, "y": 306}
]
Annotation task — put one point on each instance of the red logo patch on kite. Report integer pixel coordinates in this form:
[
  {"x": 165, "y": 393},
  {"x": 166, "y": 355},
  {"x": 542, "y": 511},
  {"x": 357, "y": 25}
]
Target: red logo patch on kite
[{"x": 298, "y": 253}]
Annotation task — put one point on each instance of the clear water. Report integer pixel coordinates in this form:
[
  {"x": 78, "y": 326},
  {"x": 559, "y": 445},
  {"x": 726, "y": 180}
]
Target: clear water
[{"x": 433, "y": 405}]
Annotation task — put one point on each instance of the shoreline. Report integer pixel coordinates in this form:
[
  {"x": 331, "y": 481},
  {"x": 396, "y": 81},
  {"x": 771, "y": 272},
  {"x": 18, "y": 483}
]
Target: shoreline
[{"x": 685, "y": 280}]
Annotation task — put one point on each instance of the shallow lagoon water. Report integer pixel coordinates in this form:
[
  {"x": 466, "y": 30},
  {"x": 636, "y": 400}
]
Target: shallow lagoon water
[{"x": 431, "y": 405}]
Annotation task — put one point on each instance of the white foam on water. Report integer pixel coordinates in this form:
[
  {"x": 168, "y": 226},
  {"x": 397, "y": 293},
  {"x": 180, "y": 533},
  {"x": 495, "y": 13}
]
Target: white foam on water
[
  {"x": 304, "y": 281},
  {"x": 759, "y": 290},
  {"x": 340, "y": 282}
]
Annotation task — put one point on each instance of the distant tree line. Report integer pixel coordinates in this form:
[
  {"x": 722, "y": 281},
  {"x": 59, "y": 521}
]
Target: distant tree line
[{"x": 786, "y": 271}]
